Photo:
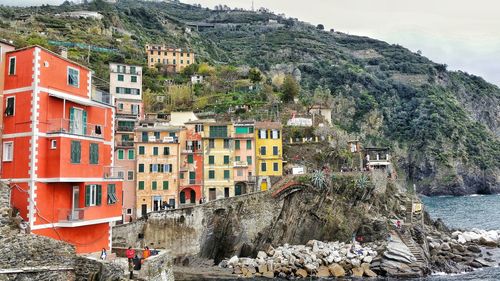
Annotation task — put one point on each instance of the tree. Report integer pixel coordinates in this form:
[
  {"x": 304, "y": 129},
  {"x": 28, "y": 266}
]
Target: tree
[
  {"x": 254, "y": 75},
  {"x": 320, "y": 27},
  {"x": 290, "y": 88}
]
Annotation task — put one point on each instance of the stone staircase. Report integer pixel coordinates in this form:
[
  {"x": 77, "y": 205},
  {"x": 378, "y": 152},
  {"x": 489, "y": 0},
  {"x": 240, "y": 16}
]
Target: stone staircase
[{"x": 405, "y": 235}]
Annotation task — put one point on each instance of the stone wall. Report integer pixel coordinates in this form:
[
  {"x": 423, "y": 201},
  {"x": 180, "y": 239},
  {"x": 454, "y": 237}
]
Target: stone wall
[{"x": 94, "y": 270}]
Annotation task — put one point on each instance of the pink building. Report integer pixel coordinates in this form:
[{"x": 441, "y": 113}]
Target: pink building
[{"x": 244, "y": 157}]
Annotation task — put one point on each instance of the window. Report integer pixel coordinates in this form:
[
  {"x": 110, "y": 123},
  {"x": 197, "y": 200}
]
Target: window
[
  {"x": 141, "y": 168},
  {"x": 121, "y": 154},
  {"x": 8, "y": 151},
  {"x": 276, "y": 167},
  {"x": 262, "y": 150},
  {"x": 128, "y": 91},
  {"x": 10, "y": 106},
  {"x": 237, "y": 159},
  {"x": 239, "y": 172},
  {"x": 154, "y": 185},
  {"x": 190, "y": 159},
  {"x": 129, "y": 211},
  {"x": 133, "y": 70},
  {"x": 155, "y": 150},
  {"x": 112, "y": 194},
  {"x": 249, "y": 160},
  {"x": 12, "y": 66},
  {"x": 153, "y": 168},
  {"x": 211, "y": 160},
  {"x": 275, "y": 150},
  {"x": 182, "y": 61},
  {"x": 133, "y": 79},
  {"x": 226, "y": 144},
  {"x": 131, "y": 154},
  {"x": 94, "y": 153},
  {"x": 187, "y": 61},
  {"x": 157, "y": 135},
  {"x": 76, "y": 150},
  {"x": 211, "y": 143},
  {"x": 226, "y": 174},
  {"x": 275, "y": 134},
  {"x": 211, "y": 174},
  {"x": 198, "y": 128},
  {"x": 120, "y": 106},
  {"x": 165, "y": 185},
  {"x": 142, "y": 150},
  {"x": 249, "y": 144},
  {"x": 73, "y": 77},
  {"x": 53, "y": 144},
  {"x": 237, "y": 144},
  {"x": 166, "y": 151},
  {"x": 121, "y": 175},
  {"x": 77, "y": 121},
  {"x": 141, "y": 185},
  {"x": 262, "y": 134},
  {"x": 263, "y": 167},
  {"x": 218, "y": 131},
  {"x": 226, "y": 159},
  {"x": 168, "y": 168},
  {"x": 93, "y": 195},
  {"x": 120, "y": 77},
  {"x": 130, "y": 175}
]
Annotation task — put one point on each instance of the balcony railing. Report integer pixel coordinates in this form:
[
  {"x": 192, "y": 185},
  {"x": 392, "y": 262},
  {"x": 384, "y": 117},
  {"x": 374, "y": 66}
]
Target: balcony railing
[
  {"x": 101, "y": 96},
  {"x": 125, "y": 143},
  {"x": 187, "y": 182},
  {"x": 70, "y": 215},
  {"x": 114, "y": 70},
  {"x": 125, "y": 128},
  {"x": 67, "y": 126},
  {"x": 111, "y": 172},
  {"x": 240, "y": 164}
]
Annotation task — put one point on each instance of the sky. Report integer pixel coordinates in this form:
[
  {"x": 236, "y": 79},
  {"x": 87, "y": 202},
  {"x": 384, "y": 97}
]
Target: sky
[{"x": 462, "y": 34}]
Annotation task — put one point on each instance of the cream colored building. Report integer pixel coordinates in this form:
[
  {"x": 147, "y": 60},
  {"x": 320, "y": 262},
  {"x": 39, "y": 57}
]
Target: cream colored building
[{"x": 174, "y": 59}]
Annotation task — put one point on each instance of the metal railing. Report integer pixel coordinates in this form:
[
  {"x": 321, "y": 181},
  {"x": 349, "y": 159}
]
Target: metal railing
[
  {"x": 125, "y": 143},
  {"x": 67, "y": 126},
  {"x": 187, "y": 182},
  {"x": 112, "y": 172},
  {"x": 69, "y": 215},
  {"x": 125, "y": 128},
  {"x": 101, "y": 96}
]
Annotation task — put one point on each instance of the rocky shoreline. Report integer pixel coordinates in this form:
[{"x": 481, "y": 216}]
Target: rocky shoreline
[{"x": 439, "y": 251}]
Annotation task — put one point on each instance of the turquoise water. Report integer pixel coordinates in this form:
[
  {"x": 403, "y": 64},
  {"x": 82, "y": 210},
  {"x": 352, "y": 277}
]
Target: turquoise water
[{"x": 482, "y": 211}]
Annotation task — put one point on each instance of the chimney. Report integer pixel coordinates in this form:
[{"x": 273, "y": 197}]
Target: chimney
[{"x": 63, "y": 52}]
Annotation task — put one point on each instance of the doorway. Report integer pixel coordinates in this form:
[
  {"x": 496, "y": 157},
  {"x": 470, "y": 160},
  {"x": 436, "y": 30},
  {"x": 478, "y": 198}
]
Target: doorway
[
  {"x": 75, "y": 205},
  {"x": 192, "y": 195},
  {"x": 212, "y": 195},
  {"x": 144, "y": 210}
]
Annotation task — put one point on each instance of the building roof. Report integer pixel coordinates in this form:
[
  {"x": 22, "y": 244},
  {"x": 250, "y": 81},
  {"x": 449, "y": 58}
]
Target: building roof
[
  {"x": 201, "y": 121},
  {"x": 5, "y": 42},
  {"x": 119, "y": 63},
  {"x": 50, "y": 52},
  {"x": 268, "y": 125},
  {"x": 180, "y": 118}
]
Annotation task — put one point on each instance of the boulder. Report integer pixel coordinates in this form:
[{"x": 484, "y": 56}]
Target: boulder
[
  {"x": 367, "y": 271},
  {"x": 261, "y": 255},
  {"x": 262, "y": 268},
  {"x": 310, "y": 268},
  {"x": 323, "y": 271},
  {"x": 237, "y": 270},
  {"x": 268, "y": 274},
  {"x": 301, "y": 273},
  {"x": 336, "y": 270},
  {"x": 233, "y": 261},
  {"x": 445, "y": 247},
  {"x": 357, "y": 272},
  {"x": 487, "y": 241},
  {"x": 368, "y": 259},
  {"x": 474, "y": 249}
]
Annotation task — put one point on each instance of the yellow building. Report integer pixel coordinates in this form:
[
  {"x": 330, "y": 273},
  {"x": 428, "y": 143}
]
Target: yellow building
[
  {"x": 157, "y": 149},
  {"x": 269, "y": 152},
  {"x": 218, "y": 161},
  {"x": 173, "y": 59}
]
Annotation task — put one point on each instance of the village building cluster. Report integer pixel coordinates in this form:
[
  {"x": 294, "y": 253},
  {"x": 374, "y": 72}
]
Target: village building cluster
[{"x": 81, "y": 157}]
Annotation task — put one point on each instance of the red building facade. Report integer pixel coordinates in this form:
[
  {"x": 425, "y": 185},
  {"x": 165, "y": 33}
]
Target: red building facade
[
  {"x": 58, "y": 150},
  {"x": 191, "y": 163}
]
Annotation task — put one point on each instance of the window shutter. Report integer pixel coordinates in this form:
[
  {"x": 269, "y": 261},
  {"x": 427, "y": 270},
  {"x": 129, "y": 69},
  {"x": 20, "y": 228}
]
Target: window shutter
[
  {"x": 98, "y": 194},
  {"x": 87, "y": 196},
  {"x": 71, "y": 119},
  {"x": 84, "y": 122}
]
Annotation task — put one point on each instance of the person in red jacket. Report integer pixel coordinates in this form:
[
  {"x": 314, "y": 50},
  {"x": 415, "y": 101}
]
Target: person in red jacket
[{"x": 130, "y": 253}]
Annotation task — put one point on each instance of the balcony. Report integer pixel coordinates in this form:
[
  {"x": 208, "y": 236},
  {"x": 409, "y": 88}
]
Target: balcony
[
  {"x": 111, "y": 172},
  {"x": 101, "y": 96},
  {"x": 128, "y": 71},
  {"x": 70, "y": 215},
  {"x": 240, "y": 164},
  {"x": 123, "y": 128},
  {"x": 66, "y": 126},
  {"x": 188, "y": 182},
  {"x": 125, "y": 143},
  {"x": 153, "y": 139}
]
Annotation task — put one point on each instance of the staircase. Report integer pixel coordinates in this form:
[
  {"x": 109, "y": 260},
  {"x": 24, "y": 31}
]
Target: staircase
[{"x": 410, "y": 220}]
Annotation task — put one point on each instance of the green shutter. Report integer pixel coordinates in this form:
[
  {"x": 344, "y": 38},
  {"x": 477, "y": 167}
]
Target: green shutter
[
  {"x": 153, "y": 185},
  {"x": 237, "y": 158},
  {"x": 87, "y": 196},
  {"x": 141, "y": 150},
  {"x": 226, "y": 174},
  {"x": 141, "y": 185},
  {"x": 131, "y": 154},
  {"x": 165, "y": 185},
  {"x": 94, "y": 153},
  {"x": 237, "y": 144},
  {"x": 211, "y": 160},
  {"x": 155, "y": 150},
  {"x": 141, "y": 168},
  {"x": 120, "y": 154},
  {"x": 99, "y": 195},
  {"x": 249, "y": 160},
  {"x": 192, "y": 175},
  {"x": 226, "y": 159},
  {"x": 190, "y": 159},
  {"x": 75, "y": 152},
  {"x": 211, "y": 174},
  {"x": 249, "y": 144},
  {"x": 84, "y": 122}
]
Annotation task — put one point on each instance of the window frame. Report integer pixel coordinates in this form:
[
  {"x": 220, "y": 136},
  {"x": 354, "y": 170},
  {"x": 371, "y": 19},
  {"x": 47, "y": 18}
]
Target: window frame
[
  {"x": 211, "y": 174},
  {"x": 276, "y": 167},
  {"x": 128, "y": 175},
  {"x": 227, "y": 174},
  {"x": 142, "y": 149},
  {"x": 4, "y": 158},
  {"x": 71, "y": 152},
  {"x": 133, "y": 154},
  {"x": 7, "y": 105},
  {"x": 263, "y": 167},
  {"x": 92, "y": 147},
  {"x": 112, "y": 197},
  {"x": 78, "y": 76},
  {"x": 120, "y": 77},
  {"x": 276, "y": 150},
  {"x": 14, "y": 58},
  {"x": 140, "y": 185},
  {"x": 122, "y": 152}
]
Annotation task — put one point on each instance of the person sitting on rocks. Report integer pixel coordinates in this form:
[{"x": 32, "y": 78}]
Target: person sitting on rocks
[{"x": 146, "y": 253}]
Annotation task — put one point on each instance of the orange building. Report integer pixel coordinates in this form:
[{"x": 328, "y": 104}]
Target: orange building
[
  {"x": 173, "y": 59},
  {"x": 58, "y": 150},
  {"x": 191, "y": 164},
  {"x": 4, "y": 48}
]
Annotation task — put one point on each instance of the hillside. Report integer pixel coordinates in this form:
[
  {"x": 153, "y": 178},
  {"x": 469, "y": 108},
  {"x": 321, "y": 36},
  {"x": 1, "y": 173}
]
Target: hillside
[{"x": 442, "y": 126}]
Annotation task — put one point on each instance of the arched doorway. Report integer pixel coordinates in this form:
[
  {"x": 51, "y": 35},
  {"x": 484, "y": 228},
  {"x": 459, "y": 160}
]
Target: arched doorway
[
  {"x": 240, "y": 188},
  {"x": 187, "y": 196},
  {"x": 183, "y": 197}
]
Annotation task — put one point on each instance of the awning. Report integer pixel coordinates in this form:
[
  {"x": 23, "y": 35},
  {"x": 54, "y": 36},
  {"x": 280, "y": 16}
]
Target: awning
[{"x": 75, "y": 99}]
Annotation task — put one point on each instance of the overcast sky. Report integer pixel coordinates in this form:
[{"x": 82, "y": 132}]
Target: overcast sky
[{"x": 462, "y": 34}]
